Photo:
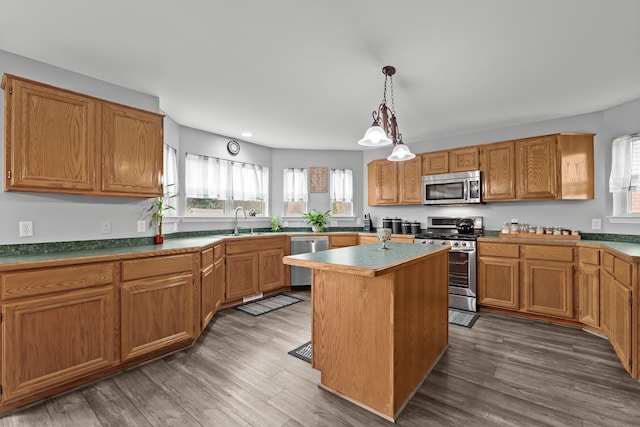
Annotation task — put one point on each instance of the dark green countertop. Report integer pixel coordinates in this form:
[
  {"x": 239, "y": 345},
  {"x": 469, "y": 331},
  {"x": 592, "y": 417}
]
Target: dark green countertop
[{"x": 366, "y": 258}]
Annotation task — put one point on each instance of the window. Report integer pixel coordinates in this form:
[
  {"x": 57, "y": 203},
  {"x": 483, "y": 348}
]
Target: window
[
  {"x": 170, "y": 178},
  {"x": 215, "y": 187},
  {"x": 341, "y": 192},
  {"x": 296, "y": 191},
  {"x": 624, "y": 181}
]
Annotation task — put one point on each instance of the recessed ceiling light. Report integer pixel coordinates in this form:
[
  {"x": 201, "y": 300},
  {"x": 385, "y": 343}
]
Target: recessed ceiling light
[{"x": 246, "y": 134}]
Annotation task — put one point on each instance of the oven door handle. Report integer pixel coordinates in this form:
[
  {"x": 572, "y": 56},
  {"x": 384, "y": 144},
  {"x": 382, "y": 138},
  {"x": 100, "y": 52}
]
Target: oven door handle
[{"x": 462, "y": 250}]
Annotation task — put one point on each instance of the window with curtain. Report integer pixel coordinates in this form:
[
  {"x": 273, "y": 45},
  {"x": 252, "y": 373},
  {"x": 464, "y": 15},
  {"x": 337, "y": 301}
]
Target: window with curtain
[
  {"x": 296, "y": 191},
  {"x": 215, "y": 187},
  {"x": 170, "y": 178},
  {"x": 624, "y": 181},
  {"x": 341, "y": 192}
]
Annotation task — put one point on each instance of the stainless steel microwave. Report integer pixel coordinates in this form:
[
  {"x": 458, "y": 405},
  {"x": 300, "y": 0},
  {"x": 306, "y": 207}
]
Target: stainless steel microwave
[{"x": 451, "y": 188}]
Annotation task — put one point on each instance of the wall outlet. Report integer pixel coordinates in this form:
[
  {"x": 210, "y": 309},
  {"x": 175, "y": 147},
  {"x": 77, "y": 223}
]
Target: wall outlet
[
  {"x": 286, "y": 223},
  {"x": 358, "y": 221},
  {"x": 105, "y": 227},
  {"x": 142, "y": 226},
  {"x": 596, "y": 224},
  {"x": 26, "y": 228},
  {"x": 334, "y": 222}
]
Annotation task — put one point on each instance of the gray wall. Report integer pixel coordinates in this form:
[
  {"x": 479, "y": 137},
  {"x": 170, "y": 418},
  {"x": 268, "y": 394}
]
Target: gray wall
[
  {"x": 71, "y": 217},
  {"x": 576, "y": 214}
]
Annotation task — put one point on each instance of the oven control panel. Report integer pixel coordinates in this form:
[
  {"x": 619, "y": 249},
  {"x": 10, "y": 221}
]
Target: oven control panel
[{"x": 455, "y": 244}]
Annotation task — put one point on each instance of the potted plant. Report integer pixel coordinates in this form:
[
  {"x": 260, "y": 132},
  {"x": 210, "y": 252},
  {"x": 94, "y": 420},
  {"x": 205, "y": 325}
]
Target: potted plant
[
  {"x": 275, "y": 226},
  {"x": 158, "y": 207},
  {"x": 317, "y": 219}
]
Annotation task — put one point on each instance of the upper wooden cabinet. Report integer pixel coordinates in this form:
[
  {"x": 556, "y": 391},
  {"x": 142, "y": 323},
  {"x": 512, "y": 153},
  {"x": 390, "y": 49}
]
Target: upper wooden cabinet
[
  {"x": 497, "y": 164},
  {"x": 558, "y": 166},
  {"x": 395, "y": 183},
  {"x": 449, "y": 161},
  {"x": 59, "y": 141}
]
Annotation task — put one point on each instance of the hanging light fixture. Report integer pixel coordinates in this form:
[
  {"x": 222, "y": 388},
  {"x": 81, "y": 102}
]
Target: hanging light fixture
[{"x": 384, "y": 129}]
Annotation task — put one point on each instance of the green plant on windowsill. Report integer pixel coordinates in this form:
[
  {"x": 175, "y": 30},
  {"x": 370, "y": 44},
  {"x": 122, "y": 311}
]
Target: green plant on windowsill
[
  {"x": 317, "y": 219},
  {"x": 158, "y": 208},
  {"x": 275, "y": 226}
]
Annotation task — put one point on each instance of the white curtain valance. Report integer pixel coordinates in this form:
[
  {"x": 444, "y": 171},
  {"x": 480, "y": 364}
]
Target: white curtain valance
[
  {"x": 341, "y": 185},
  {"x": 625, "y": 164},
  {"x": 296, "y": 185},
  {"x": 213, "y": 178}
]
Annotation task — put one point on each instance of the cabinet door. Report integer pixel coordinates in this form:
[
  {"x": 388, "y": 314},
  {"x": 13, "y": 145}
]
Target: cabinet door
[
  {"x": 605, "y": 302},
  {"x": 156, "y": 312},
  {"x": 620, "y": 312},
  {"x": 207, "y": 295},
  {"x": 464, "y": 159},
  {"x": 132, "y": 150},
  {"x": 410, "y": 181},
  {"x": 498, "y": 282},
  {"x": 589, "y": 293},
  {"x": 436, "y": 162},
  {"x": 498, "y": 171},
  {"x": 49, "y": 139},
  {"x": 536, "y": 171},
  {"x": 242, "y": 275},
  {"x": 383, "y": 183},
  {"x": 52, "y": 340},
  {"x": 218, "y": 283},
  {"x": 548, "y": 287},
  {"x": 271, "y": 269}
]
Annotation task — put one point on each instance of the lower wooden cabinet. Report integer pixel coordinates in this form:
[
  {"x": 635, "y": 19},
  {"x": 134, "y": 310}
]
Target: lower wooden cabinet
[
  {"x": 589, "y": 286},
  {"x": 255, "y": 265},
  {"x": 52, "y": 340},
  {"x": 211, "y": 283},
  {"x": 548, "y": 288},
  {"x": 157, "y": 304},
  {"x": 499, "y": 283}
]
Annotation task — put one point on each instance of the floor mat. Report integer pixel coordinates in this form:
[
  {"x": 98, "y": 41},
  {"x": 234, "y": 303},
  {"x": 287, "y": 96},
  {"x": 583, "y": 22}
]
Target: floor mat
[
  {"x": 257, "y": 308},
  {"x": 303, "y": 352},
  {"x": 462, "y": 318}
]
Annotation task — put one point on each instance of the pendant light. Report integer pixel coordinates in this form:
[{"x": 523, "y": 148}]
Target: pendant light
[{"x": 384, "y": 129}]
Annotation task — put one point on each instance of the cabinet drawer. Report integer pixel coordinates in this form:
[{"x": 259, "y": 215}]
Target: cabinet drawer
[
  {"x": 218, "y": 251},
  {"x": 50, "y": 280},
  {"x": 342, "y": 241},
  {"x": 254, "y": 244},
  {"x": 618, "y": 268},
  {"x": 553, "y": 253},
  {"x": 589, "y": 256},
  {"x": 207, "y": 257},
  {"x": 499, "y": 250},
  {"x": 156, "y": 266}
]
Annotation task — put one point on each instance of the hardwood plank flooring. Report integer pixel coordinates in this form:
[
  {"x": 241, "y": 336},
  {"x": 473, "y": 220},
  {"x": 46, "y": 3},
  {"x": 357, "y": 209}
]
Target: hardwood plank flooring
[{"x": 505, "y": 371}]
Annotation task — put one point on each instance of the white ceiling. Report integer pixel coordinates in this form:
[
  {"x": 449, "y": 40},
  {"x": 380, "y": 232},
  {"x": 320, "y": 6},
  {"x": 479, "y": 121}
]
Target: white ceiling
[{"x": 307, "y": 74}]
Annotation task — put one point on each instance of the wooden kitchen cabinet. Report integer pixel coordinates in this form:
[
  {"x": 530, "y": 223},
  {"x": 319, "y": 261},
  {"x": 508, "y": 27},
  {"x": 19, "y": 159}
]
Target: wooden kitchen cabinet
[
  {"x": 68, "y": 312},
  {"x": 341, "y": 241},
  {"x": 499, "y": 275},
  {"x": 132, "y": 151},
  {"x": 589, "y": 286},
  {"x": 157, "y": 303},
  {"x": 548, "y": 280},
  {"x": 558, "y": 166},
  {"x": 59, "y": 141},
  {"x": 497, "y": 164},
  {"x": 255, "y": 265},
  {"x": 395, "y": 183},
  {"x": 616, "y": 305},
  {"x": 555, "y": 167},
  {"x": 211, "y": 283},
  {"x": 450, "y": 161},
  {"x": 50, "y": 138}
]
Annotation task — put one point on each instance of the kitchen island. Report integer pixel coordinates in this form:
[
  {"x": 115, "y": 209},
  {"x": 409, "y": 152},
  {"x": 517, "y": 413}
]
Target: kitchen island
[{"x": 379, "y": 320}]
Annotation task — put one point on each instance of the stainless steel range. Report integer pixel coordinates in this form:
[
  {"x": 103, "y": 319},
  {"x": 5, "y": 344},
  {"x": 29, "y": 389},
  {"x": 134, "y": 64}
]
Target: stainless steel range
[{"x": 460, "y": 233}]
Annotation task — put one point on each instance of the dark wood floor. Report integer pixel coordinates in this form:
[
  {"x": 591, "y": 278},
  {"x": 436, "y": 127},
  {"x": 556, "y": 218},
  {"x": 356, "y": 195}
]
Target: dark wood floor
[{"x": 504, "y": 371}]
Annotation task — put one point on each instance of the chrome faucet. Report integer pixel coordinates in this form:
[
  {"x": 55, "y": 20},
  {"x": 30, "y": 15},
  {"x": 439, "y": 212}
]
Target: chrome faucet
[{"x": 235, "y": 214}]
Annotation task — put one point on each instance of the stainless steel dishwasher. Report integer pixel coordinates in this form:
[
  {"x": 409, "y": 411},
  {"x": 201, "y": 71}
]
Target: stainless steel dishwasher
[{"x": 301, "y": 276}]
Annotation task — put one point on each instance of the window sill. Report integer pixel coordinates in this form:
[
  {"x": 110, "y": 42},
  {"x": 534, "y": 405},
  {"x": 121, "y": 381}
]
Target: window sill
[
  {"x": 225, "y": 219},
  {"x": 624, "y": 219}
]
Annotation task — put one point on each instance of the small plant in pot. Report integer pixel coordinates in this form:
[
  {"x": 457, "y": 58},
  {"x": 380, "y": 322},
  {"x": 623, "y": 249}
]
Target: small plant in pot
[
  {"x": 158, "y": 208},
  {"x": 317, "y": 219}
]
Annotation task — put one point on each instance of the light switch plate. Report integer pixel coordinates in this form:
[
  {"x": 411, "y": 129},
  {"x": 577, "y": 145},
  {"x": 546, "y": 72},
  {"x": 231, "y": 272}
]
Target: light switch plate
[
  {"x": 142, "y": 226},
  {"x": 596, "y": 224}
]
